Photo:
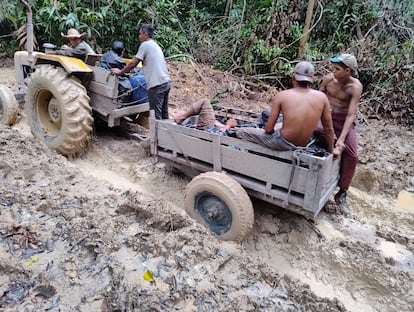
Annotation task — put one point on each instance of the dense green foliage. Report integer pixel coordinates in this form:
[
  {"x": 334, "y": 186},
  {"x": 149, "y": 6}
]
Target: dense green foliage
[{"x": 258, "y": 38}]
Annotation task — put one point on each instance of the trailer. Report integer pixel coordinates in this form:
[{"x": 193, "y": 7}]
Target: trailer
[{"x": 226, "y": 170}]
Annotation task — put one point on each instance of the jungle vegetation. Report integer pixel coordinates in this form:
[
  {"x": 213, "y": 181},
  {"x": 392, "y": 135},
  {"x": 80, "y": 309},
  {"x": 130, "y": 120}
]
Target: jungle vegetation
[{"x": 259, "y": 39}]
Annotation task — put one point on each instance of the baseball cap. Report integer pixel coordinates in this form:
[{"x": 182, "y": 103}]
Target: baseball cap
[
  {"x": 304, "y": 71},
  {"x": 347, "y": 59}
]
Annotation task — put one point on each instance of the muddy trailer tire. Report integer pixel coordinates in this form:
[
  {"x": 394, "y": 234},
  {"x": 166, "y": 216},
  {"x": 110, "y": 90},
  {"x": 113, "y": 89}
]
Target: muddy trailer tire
[
  {"x": 58, "y": 111},
  {"x": 220, "y": 203},
  {"x": 9, "y": 106}
]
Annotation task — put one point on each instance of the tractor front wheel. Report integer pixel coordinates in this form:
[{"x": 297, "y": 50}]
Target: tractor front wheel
[{"x": 58, "y": 111}]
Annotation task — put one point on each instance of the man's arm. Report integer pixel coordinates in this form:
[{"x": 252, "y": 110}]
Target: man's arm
[
  {"x": 356, "y": 92},
  {"x": 119, "y": 72},
  {"x": 326, "y": 120},
  {"x": 231, "y": 123},
  {"x": 67, "y": 51},
  {"x": 80, "y": 51},
  {"x": 274, "y": 114},
  {"x": 325, "y": 82}
]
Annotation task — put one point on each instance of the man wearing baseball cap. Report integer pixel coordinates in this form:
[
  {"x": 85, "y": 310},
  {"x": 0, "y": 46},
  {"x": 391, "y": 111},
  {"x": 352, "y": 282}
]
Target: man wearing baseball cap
[
  {"x": 302, "y": 108},
  {"x": 344, "y": 92}
]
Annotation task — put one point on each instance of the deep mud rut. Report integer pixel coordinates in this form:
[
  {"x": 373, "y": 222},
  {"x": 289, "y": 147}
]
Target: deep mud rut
[{"x": 84, "y": 234}]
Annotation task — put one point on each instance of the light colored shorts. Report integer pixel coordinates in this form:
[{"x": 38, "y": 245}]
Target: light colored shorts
[{"x": 274, "y": 141}]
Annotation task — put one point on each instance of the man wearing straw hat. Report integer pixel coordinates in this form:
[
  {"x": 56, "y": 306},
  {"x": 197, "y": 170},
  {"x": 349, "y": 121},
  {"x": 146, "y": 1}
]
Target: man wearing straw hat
[{"x": 77, "y": 46}]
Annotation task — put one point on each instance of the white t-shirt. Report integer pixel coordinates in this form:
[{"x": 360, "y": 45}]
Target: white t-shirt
[{"x": 154, "y": 67}]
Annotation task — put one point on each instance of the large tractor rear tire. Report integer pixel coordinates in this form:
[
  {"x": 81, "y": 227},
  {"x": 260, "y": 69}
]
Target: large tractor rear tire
[
  {"x": 8, "y": 106},
  {"x": 58, "y": 111},
  {"x": 220, "y": 203}
]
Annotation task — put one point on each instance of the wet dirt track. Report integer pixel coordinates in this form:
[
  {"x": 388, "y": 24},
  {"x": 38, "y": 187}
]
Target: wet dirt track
[{"x": 85, "y": 233}]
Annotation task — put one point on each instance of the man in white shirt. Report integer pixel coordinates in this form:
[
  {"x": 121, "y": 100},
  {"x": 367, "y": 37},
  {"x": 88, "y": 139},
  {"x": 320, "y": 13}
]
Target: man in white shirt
[{"x": 154, "y": 69}]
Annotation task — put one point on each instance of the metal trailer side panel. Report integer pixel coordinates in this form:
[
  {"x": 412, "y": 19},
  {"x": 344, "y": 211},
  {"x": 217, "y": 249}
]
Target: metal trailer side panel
[
  {"x": 296, "y": 181},
  {"x": 163, "y": 140},
  {"x": 225, "y": 156},
  {"x": 103, "y": 91},
  {"x": 185, "y": 145},
  {"x": 258, "y": 189},
  {"x": 103, "y": 83},
  {"x": 272, "y": 171}
]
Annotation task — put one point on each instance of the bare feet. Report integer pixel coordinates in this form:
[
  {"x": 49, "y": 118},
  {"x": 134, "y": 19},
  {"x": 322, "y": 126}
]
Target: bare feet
[{"x": 178, "y": 116}]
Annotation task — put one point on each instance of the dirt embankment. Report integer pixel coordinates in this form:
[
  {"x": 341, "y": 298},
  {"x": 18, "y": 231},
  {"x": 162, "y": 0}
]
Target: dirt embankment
[{"x": 106, "y": 231}]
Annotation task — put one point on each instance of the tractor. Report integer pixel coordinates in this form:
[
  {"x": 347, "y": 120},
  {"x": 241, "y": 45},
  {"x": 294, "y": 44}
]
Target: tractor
[{"x": 64, "y": 95}]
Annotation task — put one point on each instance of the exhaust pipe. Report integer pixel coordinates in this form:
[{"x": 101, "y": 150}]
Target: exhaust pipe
[{"x": 29, "y": 42}]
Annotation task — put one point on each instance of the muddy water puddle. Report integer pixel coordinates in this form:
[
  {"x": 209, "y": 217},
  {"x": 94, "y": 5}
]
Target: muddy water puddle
[
  {"x": 398, "y": 254},
  {"x": 323, "y": 268},
  {"x": 343, "y": 257},
  {"x": 123, "y": 181},
  {"x": 405, "y": 201}
]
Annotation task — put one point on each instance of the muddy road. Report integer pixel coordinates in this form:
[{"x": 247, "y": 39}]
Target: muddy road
[{"x": 107, "y": 231}]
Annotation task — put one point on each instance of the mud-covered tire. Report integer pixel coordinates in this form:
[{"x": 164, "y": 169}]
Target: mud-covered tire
[
  {"x": 58, "y": 111},
  {"x": 220, "y": 203},
  {"x": 9, "y": 106}
]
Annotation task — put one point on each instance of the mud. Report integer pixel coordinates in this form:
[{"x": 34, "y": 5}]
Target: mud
[{"x": 107, "y": 231}]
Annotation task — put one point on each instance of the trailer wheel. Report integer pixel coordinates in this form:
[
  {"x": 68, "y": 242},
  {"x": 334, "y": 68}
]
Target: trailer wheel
[
  {"x": 220, "y": 203},
  {"x": 58, "y": 111},
  {"x": 8, "y": 106}
]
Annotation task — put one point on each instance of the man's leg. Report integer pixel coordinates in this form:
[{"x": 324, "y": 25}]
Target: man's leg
[
  {"x": 273, "y": 141},
  {"x": 166, "y": 92},
  {"x": 349, "y": 160},
  {"x": 202, "y": 108},
  {"x": 158, "y": 100},
  {"x": 205, "y": 111},
  {"x": 180, "y": 116}
]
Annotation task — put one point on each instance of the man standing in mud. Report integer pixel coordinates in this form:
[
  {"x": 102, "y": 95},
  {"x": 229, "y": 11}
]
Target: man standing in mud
[{"x": 344, "y": 92}]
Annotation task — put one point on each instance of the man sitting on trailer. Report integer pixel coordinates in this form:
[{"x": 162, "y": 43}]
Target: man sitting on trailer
[
  {"x": 302, "y": 108},
  {"x": 113, "y": 58}
]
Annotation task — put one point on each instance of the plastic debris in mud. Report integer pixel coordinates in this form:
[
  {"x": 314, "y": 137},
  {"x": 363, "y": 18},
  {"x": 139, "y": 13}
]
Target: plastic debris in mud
[{"x": 148, "y": 276}]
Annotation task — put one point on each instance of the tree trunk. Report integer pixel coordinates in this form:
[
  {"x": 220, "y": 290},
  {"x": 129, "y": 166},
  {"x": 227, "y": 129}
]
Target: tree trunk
[{"x": 305, "y": 34}]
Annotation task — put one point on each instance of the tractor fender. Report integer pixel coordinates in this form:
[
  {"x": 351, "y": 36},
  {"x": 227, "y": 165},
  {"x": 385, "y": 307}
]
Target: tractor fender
[{"x": 72, "y": 65}]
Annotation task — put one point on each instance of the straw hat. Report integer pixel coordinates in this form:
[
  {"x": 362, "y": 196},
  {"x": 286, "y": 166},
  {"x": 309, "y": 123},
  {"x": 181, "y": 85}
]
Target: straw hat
[{"x": 73, "y": 33}]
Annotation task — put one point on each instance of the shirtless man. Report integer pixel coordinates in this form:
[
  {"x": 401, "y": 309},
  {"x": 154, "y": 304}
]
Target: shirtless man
[
  {"x": 343, "y": 92},
  {"x": 301, "y": 108}
]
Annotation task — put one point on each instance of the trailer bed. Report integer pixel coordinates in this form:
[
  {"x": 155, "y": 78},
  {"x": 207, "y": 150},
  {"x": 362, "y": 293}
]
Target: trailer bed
[{"x": 295, "y": 180}]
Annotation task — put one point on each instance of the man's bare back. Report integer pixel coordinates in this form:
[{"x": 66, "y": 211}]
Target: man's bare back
[{"x": 302, "y": 108}]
